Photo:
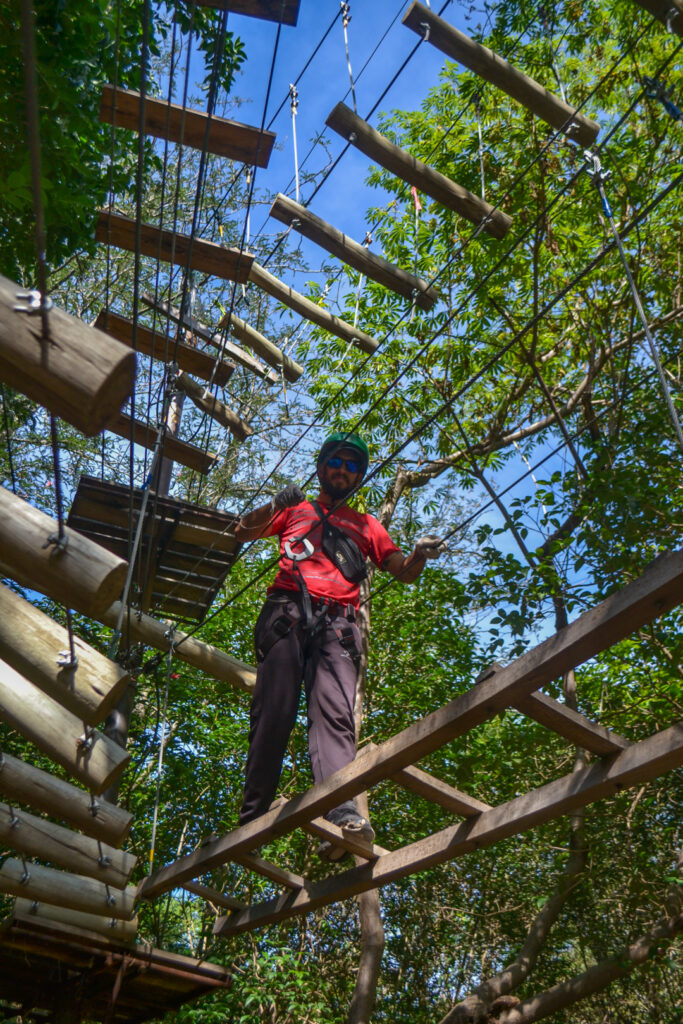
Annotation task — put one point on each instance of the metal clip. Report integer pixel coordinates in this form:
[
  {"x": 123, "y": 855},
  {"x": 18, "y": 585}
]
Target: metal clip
[
  {"x": 64, "y": 660},
  {"x": 295, "y": 223},
  {"x": 352, "y": 137},
  {"x": 671, "y": 14},
  {"x": 424, "y": 25},
  {"x": 25, "y": 877},
  {"x": 85, "y": 742},
  {"x": 60, "y": 543},
  {"x": 104, "y": 860},
  {"x": 94, "y": 807},
  {"x": 36, "y": 303}
]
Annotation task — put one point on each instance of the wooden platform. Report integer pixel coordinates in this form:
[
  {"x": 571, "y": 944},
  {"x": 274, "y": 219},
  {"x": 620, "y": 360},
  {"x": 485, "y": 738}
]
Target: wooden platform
[
  {"x": 58, "y": 973},
  {"x": 284, "y": 11},
  {"x": 185, "y": 553},
  {"x": 194, "y": 128},
  {"x": 619, "y": 764}
]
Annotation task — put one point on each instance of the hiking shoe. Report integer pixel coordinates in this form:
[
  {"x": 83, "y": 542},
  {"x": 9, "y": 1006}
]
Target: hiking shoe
[{"x": 355, "y": 827}]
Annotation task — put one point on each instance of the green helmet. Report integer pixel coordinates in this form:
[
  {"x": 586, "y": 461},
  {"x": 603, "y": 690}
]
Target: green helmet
[{"x": 340, "y": 440}]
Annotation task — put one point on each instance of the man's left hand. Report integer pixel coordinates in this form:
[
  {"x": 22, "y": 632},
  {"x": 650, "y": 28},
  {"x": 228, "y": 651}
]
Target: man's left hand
[{"x": 430, "y": 546}]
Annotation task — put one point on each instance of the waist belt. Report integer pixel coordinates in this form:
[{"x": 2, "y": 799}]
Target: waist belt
[{"x": 311, "y": 620}]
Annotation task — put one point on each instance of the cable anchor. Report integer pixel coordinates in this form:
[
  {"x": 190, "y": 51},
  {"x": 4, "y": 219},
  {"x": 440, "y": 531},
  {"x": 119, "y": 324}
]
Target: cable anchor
[
  {"x": 59, "y": 542},
  {"x": 86, "y": 741},
  {"x": 598, "y": 176},
  {"x": 656, "y": 90},
  {"x": 37, "y": 303},
  {"x": 65, "y": 660}
]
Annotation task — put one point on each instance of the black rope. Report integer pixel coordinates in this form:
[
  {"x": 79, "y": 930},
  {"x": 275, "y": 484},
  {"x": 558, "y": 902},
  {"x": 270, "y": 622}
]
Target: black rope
[{"x": 8, "y": 437}]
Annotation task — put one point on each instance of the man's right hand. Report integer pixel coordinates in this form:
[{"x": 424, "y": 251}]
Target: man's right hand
[{"x": 288, "y": 496}]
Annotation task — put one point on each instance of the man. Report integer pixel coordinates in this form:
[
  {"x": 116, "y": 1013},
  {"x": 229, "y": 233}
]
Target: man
[{"x": 307, "y": 630}]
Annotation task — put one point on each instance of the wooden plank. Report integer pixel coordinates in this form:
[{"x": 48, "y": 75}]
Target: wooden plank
[
  {"x": 285, "y": 12},
  {"x": 210, "y": 659},
  {"x": 213, "y": 337},
  {"x": 638, "y": 764},
  {"x": 172, "y": 247},
  {"x": 58, "y": 733},
  {"x": 194, "y": 128},
  {"x": 31, "y": 642},
  {"x": 164, "y": 349},
  {"x": 35, "y": 837},
  {"x": 82, "y": 575},
  {"x": 659, "y": 589},
  {"x": 112, "y": 927},
  {"x": 439, "y": 792},
  {"x": 211, "y": 405},
  {"x": 269, "y": 352},
  {"x": 326, "y": 830},
  {"x": 407, "y": 167},
  {"x": 61, "y": 889},
  {"x": 287, "y": 211},
  {"x": 669, "y": 12},
  {"x": 281, "y": 876},
  {"x": 495, "y": 69},
  {"x": 220, "y": 899},
  {"x": 24, "y": 783},
  {"x": 570, "y": 724},
  {"x": 178, "y": 451},
  {"x": 78, "y": 374},
  {"x": 307, "y": 308}
]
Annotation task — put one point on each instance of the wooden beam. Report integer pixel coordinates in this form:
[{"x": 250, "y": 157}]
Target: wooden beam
[
  {"x": 659, "y": 589},
  {"x": 161, "y": 347},
  {"x": 213, "y": 337},
  {"x": 285, "y": 12},
  {"x": 281, "y": 876},
  {"x": 269, "y": 352},
  {"x": 61, "y": 889},
  {"x": 112, "y": 927},
  {"x": 81, "y": 575},
  {"x": 77, "y": 374},
  {"x": 307, "y": 308},
  {"x": 212, "y": 896},
  {"x": 492, "y": 68},
  {"x": 24, "y": 783},
  {"x": 172, "y": 247},
  {"x": 194, "y": 128},
  {"x": 211, "y": 405},
  {"x": 178, "y": 451},
  {"x": 211, "y": 660},
  {"x": 58, "y": 733},
  {"x": 570, "y": 724},
  {"x": 37, "y": 837},
  {"x": 324, "y": 829},
  {"x": 287, "y": 211},
  {"x": 33, "y": 644},
  {"x": 439, "y": 792},
  {"x": 669, "y": 12},
  {"x": 640, "y": 763},
  {"x": 404, "y": 165}
]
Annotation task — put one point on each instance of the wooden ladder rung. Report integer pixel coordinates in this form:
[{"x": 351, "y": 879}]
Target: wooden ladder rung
[
  {"x": 285, "y": 12},
  {"x": 187, "y": 127}
]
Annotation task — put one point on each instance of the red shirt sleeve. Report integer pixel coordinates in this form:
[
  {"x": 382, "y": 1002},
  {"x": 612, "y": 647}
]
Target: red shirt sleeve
[{"x": 381, "y": 544}]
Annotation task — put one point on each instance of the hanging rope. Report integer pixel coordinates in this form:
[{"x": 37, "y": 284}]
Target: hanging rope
[
  {"x": 346, "y": 18},
  {"x": 294, "y": 104},
  {"x": 162, "y": 742},
  {"x": 599, "y": 176},
  {"x": 477, "y": 112}
]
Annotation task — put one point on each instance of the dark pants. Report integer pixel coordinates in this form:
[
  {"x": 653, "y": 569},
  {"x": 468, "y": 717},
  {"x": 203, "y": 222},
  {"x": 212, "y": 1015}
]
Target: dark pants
[{"x": 327, "y": 668}]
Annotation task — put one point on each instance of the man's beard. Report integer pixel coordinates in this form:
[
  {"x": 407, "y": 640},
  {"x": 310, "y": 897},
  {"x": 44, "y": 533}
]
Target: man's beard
[{"x": 338, "y": 491}]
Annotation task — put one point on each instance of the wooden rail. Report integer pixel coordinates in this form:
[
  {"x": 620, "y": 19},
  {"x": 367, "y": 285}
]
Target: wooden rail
[
  {"x": 172, "y": 247},
  {"x": 171, "y": 121},
  {"x": 212, "y": 406},
  {"x": 78, "y": 374},
  {"x": 287, "y": 211},
  {"x": 489, "y": 66},
  {"x": 655, "y": 592},
  {"x": 407, "y": 167},
  {"x": 178, "y": 451},
  {"x": 637, "y": 765},
  {"x": 269, "y": 352}
]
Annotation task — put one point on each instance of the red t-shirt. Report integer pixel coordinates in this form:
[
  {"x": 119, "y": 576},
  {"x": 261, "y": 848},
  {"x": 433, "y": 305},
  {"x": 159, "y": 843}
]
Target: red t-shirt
[{"x": 322, "y": 577}]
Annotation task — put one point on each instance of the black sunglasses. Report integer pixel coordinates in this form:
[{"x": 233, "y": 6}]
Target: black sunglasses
[{"x": 336, "y": 462}]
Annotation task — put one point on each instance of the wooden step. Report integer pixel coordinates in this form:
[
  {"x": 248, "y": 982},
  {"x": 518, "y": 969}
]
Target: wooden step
[
  {"x": 178, "y": 451},
  {"x": 61, "y": 889},
  {"x": 159, "y": 346},
  {"x": 284, "y": 12},
  {"x": 287, "y": 211},
  {"x": 171, "y": 121},
  {"x": 492, "y": 68},
  {"x": 407, "y": 167},
  {"x": 79, "y": 375},
  {"x": 170, "y": 246}
]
